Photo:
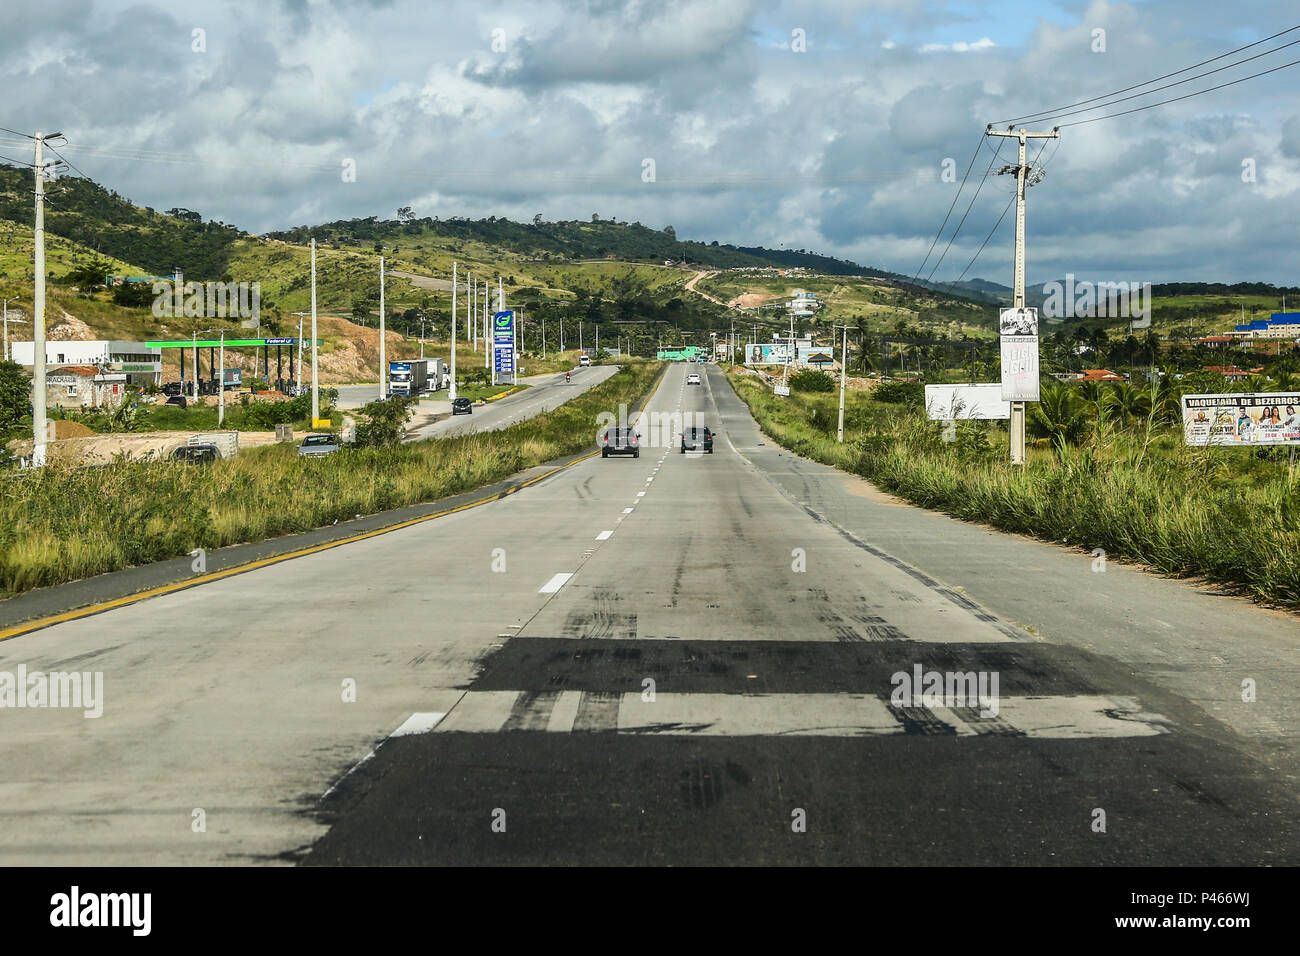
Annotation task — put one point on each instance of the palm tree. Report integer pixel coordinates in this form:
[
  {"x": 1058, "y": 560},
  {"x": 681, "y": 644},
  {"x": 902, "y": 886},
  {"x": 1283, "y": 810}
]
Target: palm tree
[
  {"x": 1058, "y": 414},
  {"x": 1128, "y": 402}
]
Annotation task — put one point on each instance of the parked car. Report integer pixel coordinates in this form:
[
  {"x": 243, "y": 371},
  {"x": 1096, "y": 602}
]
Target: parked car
[
  {"x": 180, "y": 401},
  {"x": 693, "y": 438},
  {"x": 620, "y": 441},
  {"x": 693, "y": 378},
  {"x": 197, "y": 454},
  {"x": 317, "y": 446},
  {"x": 462, "y": 406}
]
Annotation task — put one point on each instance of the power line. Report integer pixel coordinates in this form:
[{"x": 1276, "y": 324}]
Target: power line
[
  {"x": 951, "y": 239},
  {"x": 60, "y": 155},
  {"x": 1185, "y": 96},
  {"x": 1057, "y": 109},
  {"x": 951, "y": 286},
  {"x": 1125, "y": 99},
  {"x": 938, "y": 235},
  {"x": 16, "y": 133}
]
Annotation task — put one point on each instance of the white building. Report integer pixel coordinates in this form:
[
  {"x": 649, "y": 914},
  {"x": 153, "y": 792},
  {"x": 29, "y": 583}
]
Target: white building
[
  {"x": 141, "y": 364},
  {"x": 803, "y": 303}
]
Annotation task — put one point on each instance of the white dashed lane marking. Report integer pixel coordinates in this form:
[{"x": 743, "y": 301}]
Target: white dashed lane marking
[{"x": 556, "y": 582}]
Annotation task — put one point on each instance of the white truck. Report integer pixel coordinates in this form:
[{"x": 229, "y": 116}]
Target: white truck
[
  {"x": 583, "y": 360},
  {"x": 409, "y": 377}
]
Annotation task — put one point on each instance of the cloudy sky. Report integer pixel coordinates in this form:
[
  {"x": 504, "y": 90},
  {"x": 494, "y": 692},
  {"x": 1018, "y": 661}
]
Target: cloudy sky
[{"x": 824, "y": 126}]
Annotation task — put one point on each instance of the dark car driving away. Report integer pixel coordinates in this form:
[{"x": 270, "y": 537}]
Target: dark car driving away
[
  {"x": 462, "y": 406},
  {"x": 693, "y": 438},
  {"x": 620, "y": 441}
]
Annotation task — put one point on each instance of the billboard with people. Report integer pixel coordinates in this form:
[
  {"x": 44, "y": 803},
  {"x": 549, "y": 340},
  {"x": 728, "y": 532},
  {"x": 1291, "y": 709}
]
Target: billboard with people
[
  {"x": 759, "y": 353},
  {"x": 1251, "y": 419}
]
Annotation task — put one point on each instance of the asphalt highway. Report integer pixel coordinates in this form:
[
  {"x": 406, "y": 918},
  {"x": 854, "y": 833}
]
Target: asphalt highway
[{"x": 669, "y": 659}]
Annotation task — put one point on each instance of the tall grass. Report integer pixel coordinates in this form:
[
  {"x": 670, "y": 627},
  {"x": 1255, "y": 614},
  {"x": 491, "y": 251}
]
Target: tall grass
[
  {"x": 1183, "y": 511},
  {"x": 61, "y": 523}
]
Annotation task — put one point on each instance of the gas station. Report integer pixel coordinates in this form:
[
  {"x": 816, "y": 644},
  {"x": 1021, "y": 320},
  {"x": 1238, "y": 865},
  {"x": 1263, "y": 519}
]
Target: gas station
[{"x": 279, "y": 382}]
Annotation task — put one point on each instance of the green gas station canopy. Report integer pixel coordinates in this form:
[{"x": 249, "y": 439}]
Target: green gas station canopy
[{"x": 215, "y": 343}]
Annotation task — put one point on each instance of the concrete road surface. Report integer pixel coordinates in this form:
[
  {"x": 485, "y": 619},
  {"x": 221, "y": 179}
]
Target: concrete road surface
[
  {"x": 433, "y": 419},
  {"x": 676, "y": 658}
]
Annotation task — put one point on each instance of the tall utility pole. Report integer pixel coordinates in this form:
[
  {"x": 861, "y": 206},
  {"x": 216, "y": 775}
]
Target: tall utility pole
[
  {"x": 471, "y": 326},
  {"x": 844, "y": 377},
  {"x": 487, "y": 349},
  {"x": 1018, "y": 302},
  {"x": 38, "y": 314},
  {"x": 315, "y": 390},
  {"x": 297, "y": 388},
  {"x": 451, "y": 387},
  {"x": 383, "y": 356},
  {"x": 221, "y": 382}
]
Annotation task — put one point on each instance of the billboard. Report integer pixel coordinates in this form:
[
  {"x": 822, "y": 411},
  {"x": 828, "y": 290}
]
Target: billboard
[
  {"x": 767, "y": 354},
  {"x": 503, "y": 343},
  {"x": 1018, "y": 322},
  {"x": 815, "y": 355},
  {"x": 1249, "y": 419},
  {"x": 1020, "y": 368},
  {"x": 945, "y": 403}
]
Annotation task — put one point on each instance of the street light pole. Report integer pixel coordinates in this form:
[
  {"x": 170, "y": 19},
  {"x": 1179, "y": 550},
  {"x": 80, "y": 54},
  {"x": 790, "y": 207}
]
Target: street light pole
[
  {"x": 383, "y": 363},
  {"x": 844, "y": 377},
  {"x": 315, "y": 390},
  {"x": 221, "y": 382},
  {"x": 6, "y": 325},
  {"x": 451, "y": 387}
]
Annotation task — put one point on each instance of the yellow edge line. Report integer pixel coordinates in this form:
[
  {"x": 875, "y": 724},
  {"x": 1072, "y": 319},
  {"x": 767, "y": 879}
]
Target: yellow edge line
[{"x": 44, "y": 622}]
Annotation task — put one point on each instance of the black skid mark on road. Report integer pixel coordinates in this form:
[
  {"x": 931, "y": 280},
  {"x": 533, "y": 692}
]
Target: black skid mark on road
[
  {"x": 602, "y": 619},
  {"x": 861, "y": 626}
]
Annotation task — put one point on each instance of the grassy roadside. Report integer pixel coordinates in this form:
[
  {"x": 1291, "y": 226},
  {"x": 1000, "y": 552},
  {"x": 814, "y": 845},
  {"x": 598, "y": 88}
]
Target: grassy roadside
[
  {"x": 1182, "y": 511},
  {"x": 63, "y": 524}
]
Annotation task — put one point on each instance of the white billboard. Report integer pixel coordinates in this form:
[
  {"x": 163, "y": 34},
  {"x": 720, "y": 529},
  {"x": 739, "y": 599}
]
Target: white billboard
[
  {"x": 1020, "y": 368},
  {"x": 1248, "y": 419},
  {"x": 946, "y": 403}
]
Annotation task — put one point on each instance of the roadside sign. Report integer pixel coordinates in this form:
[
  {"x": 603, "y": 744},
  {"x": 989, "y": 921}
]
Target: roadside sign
[
  {"x": 782, "y": 390},
  {"x": 1248, "y": 418},
  {"x": 945, "y": 403},
  {"x": 503, "y": 343},
  {"x": 1020, "y": 368}
]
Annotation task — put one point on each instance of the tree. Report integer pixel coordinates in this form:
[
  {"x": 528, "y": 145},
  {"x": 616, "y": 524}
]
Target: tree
[
  {"x": 15, "y": 396},
  {"x": 384, "y": 422},
  {"x": 405, "y": 214},
  {"x": 670, "y": 232},
  {"x": 1058, "y": 414},
  {"x": 537, "y": 220}
]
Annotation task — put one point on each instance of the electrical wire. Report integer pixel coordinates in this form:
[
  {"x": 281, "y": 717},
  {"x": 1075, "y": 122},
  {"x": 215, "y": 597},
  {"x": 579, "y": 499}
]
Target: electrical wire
[
  {"x": 951, "y": 206},
  {"x": 1125, "y": 99},
  {"x": 1185, "y": 96},
  {"x": 951, "y": 239},
  {"x": 1057, "y": 109}
]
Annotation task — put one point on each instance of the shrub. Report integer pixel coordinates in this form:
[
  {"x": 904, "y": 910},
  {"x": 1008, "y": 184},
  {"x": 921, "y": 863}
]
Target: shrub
[
  {"x": 812, "y": 380},
  {"x": 899, "y": 393}
]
